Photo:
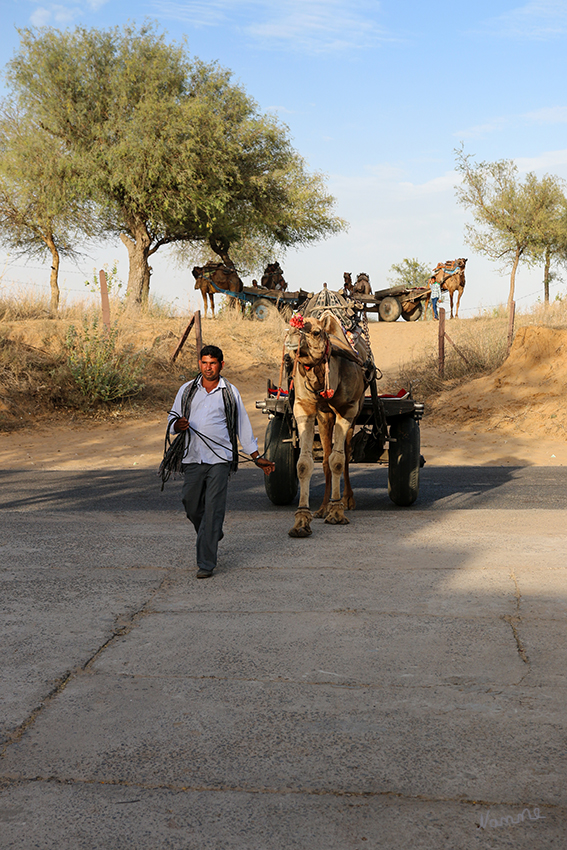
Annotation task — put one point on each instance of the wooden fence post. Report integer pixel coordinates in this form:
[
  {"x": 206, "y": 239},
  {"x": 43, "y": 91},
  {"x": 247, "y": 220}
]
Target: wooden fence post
[
  {"x": 441, "y": 342},
  {"x": 183, "y": 338},
  {"x": 511, "y": 327},
  {"x": 104, "y": 300},
  {"x": 198, "y": 334}
]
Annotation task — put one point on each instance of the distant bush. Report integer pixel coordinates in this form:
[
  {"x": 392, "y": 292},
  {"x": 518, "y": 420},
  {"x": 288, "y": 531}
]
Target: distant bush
[{"x": 101, "y": 372}]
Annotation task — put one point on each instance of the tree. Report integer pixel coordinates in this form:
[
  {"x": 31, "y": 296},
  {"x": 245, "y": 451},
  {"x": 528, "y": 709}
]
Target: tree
[
  {"x": 510, "y": 217},
  {"x": 168, "y": 148},
  {"x": 410, "y": 273},
  {"x": 40, "y": 212},
  {"x": 551, "y": 247}
]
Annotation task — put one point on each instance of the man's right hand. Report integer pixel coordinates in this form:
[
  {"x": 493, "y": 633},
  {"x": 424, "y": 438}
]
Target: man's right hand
[{"x": 181, "y": 424}]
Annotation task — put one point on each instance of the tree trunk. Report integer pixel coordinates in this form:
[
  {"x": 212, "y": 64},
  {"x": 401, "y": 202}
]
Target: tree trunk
[
  {"x": 546, "y": 275},
  {"x": 53, "y": 280},
  {"x": 220, "y": 246},
  {"x": 517, "y": 255},
  {"x": 139, "y": 270}
]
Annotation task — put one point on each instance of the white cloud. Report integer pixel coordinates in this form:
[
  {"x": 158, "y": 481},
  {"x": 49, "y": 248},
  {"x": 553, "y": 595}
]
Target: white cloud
[
  {"x": 545, "y": 160},
  {"x": 57, "y": 13},
  {"x": 280, "y": 109},
  {"x": 548, "y": 115},
  {"x": 539, "y": 20},
  {"x": 314, "y": 26},
  {"x": 481, "y": 130}
]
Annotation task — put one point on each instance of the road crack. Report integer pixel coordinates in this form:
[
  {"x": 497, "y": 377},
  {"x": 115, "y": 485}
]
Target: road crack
[
  {"x": 127, "y": 623},
  {"x": 514, "y": 620}
]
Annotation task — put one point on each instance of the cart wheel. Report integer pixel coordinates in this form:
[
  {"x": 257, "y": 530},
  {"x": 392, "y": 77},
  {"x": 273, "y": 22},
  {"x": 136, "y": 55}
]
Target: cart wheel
[
  {"x": 281, "y": 486},
  {"x": 404, "y": 461},
  {"x": 389, "y": 309},
  {"x": 262, "y": 309},
  {"x": 414, "y": 314}
]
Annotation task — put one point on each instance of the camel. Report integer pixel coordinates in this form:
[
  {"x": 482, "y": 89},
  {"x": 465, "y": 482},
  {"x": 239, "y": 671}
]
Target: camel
[
  {"x": 221, "y": 275},
  {"x": 362, "y": 285},
  {"x": 329, "y": 384},
  {"x": 451, "y": 276},
  {"x": 273, "y": 278},
  {"x": 347, "y": 286}
]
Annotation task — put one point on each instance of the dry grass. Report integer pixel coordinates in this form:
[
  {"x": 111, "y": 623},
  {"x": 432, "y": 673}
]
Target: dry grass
[
  {"x": 35, "y": 380},
  {"x": 479, "y": 348}
]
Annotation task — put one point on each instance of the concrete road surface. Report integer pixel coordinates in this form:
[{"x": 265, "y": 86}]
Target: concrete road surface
[{"x": 395, "y": 683}]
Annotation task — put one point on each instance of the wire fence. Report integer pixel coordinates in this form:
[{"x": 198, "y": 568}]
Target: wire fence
[{"x": 86, "y": 292}]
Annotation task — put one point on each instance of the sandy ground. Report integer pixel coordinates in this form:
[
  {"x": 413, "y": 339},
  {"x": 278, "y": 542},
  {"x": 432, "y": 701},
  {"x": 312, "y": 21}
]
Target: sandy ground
[{"x": 478, "y": 437}]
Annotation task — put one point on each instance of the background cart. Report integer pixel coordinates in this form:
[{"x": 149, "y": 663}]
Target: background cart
[
  {"x": 264, "y": 302},
  {"x": 390, "y": 304}
]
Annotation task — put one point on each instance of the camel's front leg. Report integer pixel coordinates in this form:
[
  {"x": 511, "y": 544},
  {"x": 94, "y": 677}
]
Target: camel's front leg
[
  {"x": 336, "y": 514},
  {"x": 451, "y": 300},
  {"x": 348, "y": 495},
  {"x": 212, "y": 300},
  {"x": 458, "y": 302},
  {"x": 204, "y": 294},
  {"x": 325, "y": 422},
  {"x": 306, "y": 429}
]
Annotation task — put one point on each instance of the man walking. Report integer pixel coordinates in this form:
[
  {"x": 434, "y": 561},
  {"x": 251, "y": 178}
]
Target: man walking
[{"x": 210, "y": 411}]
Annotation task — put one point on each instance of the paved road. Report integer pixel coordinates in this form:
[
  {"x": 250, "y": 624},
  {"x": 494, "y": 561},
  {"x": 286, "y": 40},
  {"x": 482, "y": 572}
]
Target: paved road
[{"x": 398, "y": 682}]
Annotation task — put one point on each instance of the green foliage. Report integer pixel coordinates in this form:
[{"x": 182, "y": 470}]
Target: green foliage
[
  {"x": 100, "y": 371},
  {"x": 113, "y": 282},
  {"x": 168, "y": 148},
  {"x": 41, "y": 211},
  {"x": 410, "y": 272},
  {"x": 512, "y": 220}
]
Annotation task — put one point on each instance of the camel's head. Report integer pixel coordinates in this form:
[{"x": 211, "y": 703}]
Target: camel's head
[{"x": 307, "y": 339}]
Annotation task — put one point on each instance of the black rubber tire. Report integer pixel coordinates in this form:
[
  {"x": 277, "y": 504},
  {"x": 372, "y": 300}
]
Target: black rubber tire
[
  {"x": 262, "y": 309},
  {"x": 404, "y": 461},
  {"x": 389, "y": 309},
  {"x": 281, "y": 486},
  {"x": 413, "y": 315}
]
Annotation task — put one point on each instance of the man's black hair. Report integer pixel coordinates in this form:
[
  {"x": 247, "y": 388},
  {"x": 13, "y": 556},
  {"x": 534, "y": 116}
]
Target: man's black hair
[{"x": 212, "y": 351}]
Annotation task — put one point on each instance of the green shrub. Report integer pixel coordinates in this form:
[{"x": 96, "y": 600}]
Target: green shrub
[{"x": 100, "y": 371}]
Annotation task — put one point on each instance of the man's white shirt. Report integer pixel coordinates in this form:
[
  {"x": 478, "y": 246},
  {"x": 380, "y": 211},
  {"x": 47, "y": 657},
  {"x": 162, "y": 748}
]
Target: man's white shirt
[{"x": 208, "y": 417}]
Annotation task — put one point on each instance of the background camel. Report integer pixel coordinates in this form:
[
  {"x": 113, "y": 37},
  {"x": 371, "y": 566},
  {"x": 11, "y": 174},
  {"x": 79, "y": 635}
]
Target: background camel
[
  {"x": 329, "y": 386},
  {"x": 273, "y": 277},
  {"x": 223, "y": 276},
  {"x": 451, "y": 276},
  {"x": 362, "y": 285}
]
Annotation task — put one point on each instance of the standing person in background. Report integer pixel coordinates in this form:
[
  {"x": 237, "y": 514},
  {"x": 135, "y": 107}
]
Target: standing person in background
[
  {"x": 435, "y": 296},
  {"x": 209, "y": 410}
]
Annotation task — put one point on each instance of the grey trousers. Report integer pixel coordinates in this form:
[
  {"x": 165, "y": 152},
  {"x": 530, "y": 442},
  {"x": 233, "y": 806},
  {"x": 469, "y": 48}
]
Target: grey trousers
[{"x": 204, "y": 499}]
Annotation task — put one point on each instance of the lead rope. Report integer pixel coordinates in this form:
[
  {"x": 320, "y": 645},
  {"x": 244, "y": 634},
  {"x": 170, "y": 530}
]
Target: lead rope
[{"x": 281, "y": 374}]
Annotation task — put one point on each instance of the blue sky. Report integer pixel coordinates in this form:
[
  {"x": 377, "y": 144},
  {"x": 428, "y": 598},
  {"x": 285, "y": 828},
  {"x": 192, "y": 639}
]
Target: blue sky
[{"x": 377, "y": 95}]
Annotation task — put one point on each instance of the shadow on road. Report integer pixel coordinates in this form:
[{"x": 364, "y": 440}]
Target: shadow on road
[{"x": 451, "y": 487}]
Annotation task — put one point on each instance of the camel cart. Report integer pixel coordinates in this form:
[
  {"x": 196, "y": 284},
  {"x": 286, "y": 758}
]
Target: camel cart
[
  {"x": 390, "y": 304},
  {"x": 265, "y": 302},
  {"x": 386, "y": 430}
]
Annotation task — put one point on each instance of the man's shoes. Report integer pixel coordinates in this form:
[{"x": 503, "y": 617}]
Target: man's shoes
[{"x": 204, "y": 573}]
